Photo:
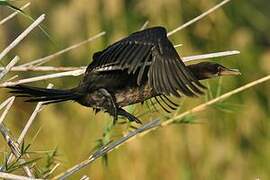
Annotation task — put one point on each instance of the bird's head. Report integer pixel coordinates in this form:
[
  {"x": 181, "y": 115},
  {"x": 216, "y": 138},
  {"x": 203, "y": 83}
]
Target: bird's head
[{"x": 207, "y": 70}]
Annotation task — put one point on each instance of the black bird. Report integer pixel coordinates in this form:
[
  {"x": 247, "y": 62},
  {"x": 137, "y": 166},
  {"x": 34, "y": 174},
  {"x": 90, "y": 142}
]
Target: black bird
[{"x": 141, "y": 66}]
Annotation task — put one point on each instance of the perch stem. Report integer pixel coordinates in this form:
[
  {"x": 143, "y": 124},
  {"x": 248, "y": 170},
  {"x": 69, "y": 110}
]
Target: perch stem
[{"x": 22, "y": 36}]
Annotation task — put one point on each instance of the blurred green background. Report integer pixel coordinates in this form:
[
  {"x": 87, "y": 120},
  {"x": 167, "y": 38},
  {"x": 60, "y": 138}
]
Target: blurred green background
[{"x": 230, "y": 141}]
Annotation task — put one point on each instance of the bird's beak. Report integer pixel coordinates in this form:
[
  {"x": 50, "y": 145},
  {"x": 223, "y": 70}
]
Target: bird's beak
[{"x": 228, "y": 72}]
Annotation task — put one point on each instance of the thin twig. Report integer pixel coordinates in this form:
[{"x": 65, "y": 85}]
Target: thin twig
[
  {"x": 177, "y": 45},
  {"x": 210, "y": 55},
  {"x": 6, "y": 69},
  {"x": 8, "y": 106},
  {"x": 44, "y": 77},
  {"x": 22, "y": 35},
  {"x": 198, "y": 18},
  {"x": 28, "y": 124},
  {"x": 3, "y": 104},
  {"x": 43, "y": 68},
  {"x": 14, "y": 13},
  {"x": 144, "y": 25},
  {"x": 14, "y": 177},
  {"x": 31, "y": 119},
  {"x": 43, "y": 60},
  {"x": 52, "y": 170},
  {"x": 11, "y": 143},
  {"x": 15, "y": 149},
  {"x": 85, "y": 178},
  {"x": 12, "y": 78},
  {"x": 106, "y": 149},
  {"x": 119, "y": 142}
]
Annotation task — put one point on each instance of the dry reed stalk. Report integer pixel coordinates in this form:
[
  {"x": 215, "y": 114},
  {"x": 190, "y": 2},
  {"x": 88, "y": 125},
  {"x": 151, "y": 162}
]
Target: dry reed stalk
[
  {"x": 12, "y": 78},
  {"x": 144, "y": 25},
  {"x": 43, "y": 68},
  {"x": 84, "y": 178},
  {"x": 31, "y": 119},
  {"x": 14, "y": 147},
  {"x": 52, "y": 170},
  {"x": 3, "y": 104},
  {"x": 43, "y": 60},
  {"x": 8, "y": 103},
  {"x": 177, "y": 45},
  {"x": 22, "y": 36},
  {"x": 10, "y": 65},
  {"x": 198, "y": 17},
  {"x": 105, "y": 149},
  {"x": 44, "y": 77},
  {"x": 15, "y": 177},
  {"x": 210, "y": 55},
  {"x": 28, "y": 125},
  {"x": 14, "y": 14}
]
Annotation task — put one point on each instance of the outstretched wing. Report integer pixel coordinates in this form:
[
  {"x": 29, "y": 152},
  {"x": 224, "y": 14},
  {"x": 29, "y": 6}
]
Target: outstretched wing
[{"x": 150, "y": 48}]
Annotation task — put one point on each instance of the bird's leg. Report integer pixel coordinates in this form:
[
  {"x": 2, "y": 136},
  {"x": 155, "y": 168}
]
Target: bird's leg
[
  {"x": 112, "y": 108},
  {"x": 129, "y": 116},
  {"x": 110, "y": 105}
]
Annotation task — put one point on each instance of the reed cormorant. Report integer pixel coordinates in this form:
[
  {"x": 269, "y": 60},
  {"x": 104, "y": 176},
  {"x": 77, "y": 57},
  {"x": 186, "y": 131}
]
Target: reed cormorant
[{"x": 141, "y": 66}]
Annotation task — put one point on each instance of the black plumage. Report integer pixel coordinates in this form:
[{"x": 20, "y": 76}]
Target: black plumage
[{"x": 134, "y": 69}]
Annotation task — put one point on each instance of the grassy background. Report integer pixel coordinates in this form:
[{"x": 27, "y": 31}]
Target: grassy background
[{"x": 230, "y": 141}]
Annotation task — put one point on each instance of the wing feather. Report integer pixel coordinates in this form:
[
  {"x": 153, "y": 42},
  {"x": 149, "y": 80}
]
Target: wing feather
[
  {"x": 161, "y": 105},
  {"x": 145, "y": 59},
  {"x": 151, "y": 48},
  {"x": 125, "y": 62},
  {"x": 126, "y": 53},
  {"x": 170, "y": 79},
  {"x": 170, "y": 101},
  {"x": 106, "y": 57},
  {"x": 139, "y": 57},
  {"x": 167, "y": 103},
  {"x": 142, "y": 69}
]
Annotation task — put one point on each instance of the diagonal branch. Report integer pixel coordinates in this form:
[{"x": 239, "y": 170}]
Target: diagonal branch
[
  {"x": 22, "y": 36},
  {"x": 28, "y": 124},
  {"x": 43, "y": 60},
  {"x": 31, "y": 119},
  {"x": 14, "y": 14},
  {"x": 15, "y": 149},
  {"x": 198, "y": 17},
  {"x": 44, "y": 68},
  {"x": 108, "y": 148},
  {"x": 10, "y": 65},
  {"x": 44, "y": 77},
  {"x": 177, "y": 45},
  {"x": 8, "y": 103},
  {"x": 3, "y": 104},
  {"x": 144, "y": 25},
  {"x": 8, "y": 138},
  {"x": 14, "y": 177},
  {"x": 210, "y": 55}
]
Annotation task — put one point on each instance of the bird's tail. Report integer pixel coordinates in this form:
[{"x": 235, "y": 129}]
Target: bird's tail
[{"x": 48, "y": 96}]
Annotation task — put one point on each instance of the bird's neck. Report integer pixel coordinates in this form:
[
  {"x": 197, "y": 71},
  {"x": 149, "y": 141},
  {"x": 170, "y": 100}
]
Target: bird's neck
[{"x": 198, "y": 72}]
